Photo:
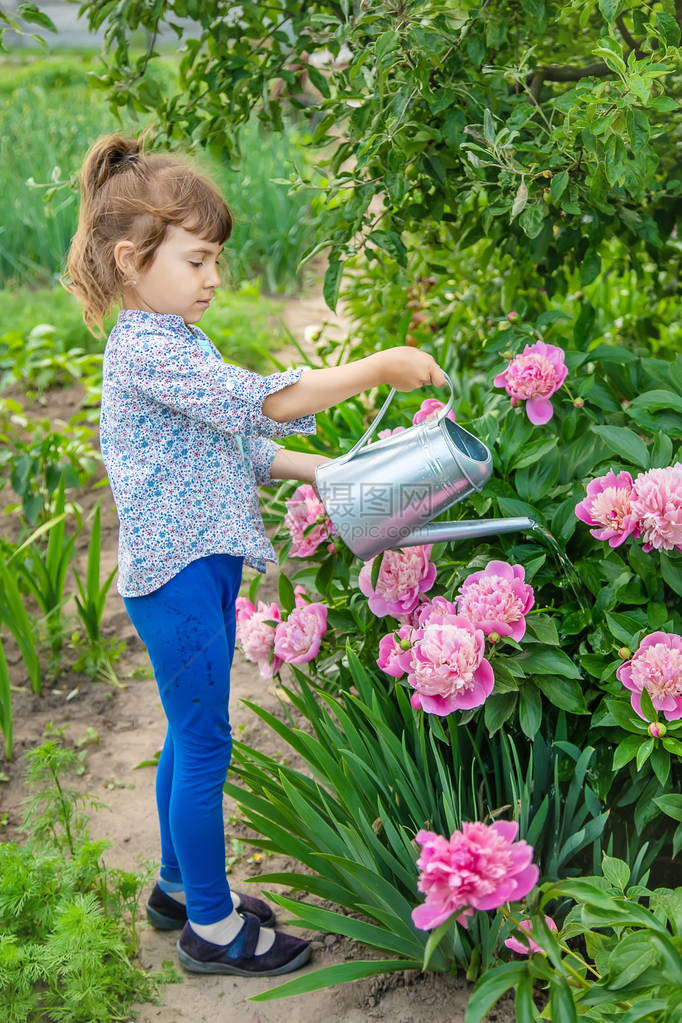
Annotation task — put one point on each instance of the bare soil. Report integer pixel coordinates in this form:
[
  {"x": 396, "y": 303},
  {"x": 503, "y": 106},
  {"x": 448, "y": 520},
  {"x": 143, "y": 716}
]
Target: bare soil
[{"x": 130, "y": 724}]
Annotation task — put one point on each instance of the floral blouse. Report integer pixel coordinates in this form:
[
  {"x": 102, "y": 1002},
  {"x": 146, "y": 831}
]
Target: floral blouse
[{"x": 185, "y": 445}]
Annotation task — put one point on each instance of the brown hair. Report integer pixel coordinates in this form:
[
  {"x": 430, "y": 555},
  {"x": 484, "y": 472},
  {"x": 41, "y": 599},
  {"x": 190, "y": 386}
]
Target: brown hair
[{"x": 127, "y": 193}]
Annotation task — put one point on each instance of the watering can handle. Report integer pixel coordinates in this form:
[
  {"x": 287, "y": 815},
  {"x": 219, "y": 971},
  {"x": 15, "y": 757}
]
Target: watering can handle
[{"x": 380, "y": 415}]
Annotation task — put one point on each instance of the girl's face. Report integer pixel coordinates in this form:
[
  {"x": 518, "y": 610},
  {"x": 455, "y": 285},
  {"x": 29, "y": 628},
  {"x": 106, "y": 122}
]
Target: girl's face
[{"x": 181, "y": 279}]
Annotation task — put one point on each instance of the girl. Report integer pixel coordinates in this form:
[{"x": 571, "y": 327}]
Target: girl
[{"x": 186, "y": 440}]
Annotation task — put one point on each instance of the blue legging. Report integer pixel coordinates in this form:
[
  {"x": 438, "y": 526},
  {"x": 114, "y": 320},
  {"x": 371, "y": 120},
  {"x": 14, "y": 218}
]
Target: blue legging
[{"x": 188, "y": 627}]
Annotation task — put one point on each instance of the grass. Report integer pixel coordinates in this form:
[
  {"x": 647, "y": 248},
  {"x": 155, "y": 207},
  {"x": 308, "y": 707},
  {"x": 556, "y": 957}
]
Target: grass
[{"x": 40, "y": 153}]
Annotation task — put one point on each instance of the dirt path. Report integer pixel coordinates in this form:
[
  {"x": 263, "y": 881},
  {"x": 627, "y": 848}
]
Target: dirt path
[{"x": 131, "y": 726}]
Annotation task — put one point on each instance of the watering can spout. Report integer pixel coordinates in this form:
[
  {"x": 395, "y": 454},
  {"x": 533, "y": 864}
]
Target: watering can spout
[{"x": 465, "y": 529}]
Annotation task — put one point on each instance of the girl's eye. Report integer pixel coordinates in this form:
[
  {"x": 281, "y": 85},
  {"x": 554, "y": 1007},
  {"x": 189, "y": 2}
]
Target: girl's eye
[
  {"x": 194, "y": 264},
  {"x": 217, "y": 263}
]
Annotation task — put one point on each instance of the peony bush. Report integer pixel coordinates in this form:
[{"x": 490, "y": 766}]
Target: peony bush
[{"x": 488, "y": 720}]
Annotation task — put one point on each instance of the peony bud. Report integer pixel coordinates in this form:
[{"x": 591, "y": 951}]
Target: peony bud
[
  {"x": 405, "y": 644},
  {"x": 331, "y": 548},
  {"x": 512, "y": 316},
  {"x": 579, "y": 403},
  {"x": 494, "y": 637},
  {"x": 625, "y": 653},
  {"x": 657, "y": 730},
  {"x": 508, "y": 354}
]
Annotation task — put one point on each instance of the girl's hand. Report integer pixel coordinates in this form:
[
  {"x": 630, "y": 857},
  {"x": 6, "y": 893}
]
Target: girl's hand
[{"x": 406, "y": 368}]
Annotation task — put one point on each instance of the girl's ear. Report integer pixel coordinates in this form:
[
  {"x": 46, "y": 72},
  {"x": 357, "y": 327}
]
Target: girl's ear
[{"x": 124, "y": 255}]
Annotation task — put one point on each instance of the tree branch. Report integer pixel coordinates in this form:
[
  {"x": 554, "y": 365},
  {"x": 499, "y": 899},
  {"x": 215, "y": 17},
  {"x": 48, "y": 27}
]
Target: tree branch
[
  {"x": 625, "y": 32},
  {"x": 564, "y": 73}
]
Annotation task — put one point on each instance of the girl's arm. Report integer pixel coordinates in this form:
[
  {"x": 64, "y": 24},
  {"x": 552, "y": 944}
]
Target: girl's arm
[
  {"x": 295, "y": 465},
  {"x": 404, "y": 368}
]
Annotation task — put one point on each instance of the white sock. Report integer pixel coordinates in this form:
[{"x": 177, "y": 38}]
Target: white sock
[
  {"x": 180, "y": 897},
  {"x": 224, "y": 931}
]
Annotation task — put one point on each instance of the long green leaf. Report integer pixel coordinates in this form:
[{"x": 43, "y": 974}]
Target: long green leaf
[
  {"x": 491, "y": 987},
  {"x": 5, "y": 704},
  {"x": 336, "y": 923},
  {"x": 330, "y": 976},
  {"x": 35, "y": 534},
  {"x": 13, "y": 613}
]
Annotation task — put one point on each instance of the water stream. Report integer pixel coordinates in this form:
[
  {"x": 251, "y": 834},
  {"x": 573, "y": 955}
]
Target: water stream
[{"x": 569, "y": 571}]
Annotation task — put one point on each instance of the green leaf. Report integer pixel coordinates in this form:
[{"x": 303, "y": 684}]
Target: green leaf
[
  {"x": 386, "y": 42},
  {"x": 657, "y": 400},
  {"x": 490, "y": 988},
  {"x": 626, "y": 751},
  {"x": 330, "y": 976},
  {"x": 548, "y": 662},
  {"x": 644, "y": 752},
  {"x": 376, "y": 568},
  {"x": 625, "y": 443},
  {"x": 668, "y": 27},
  {"x": 32, "y": 14},
  {"x": 616, "y": 871},
  {"x": 287, "y": 597},
  {"x": 558, "y": 185},
  {"x": 624, "y": 627},
  {"x": 318, "y": 79},
  {"x": 524, "y": 1006},
  {"x": 435, "y": 938},
  {"x": 530, "y": 710},
  {"x": 543, "y": 628},
  {"x": 609, "y": 10},
  {"x": 563, "y": 693},
  {"x": 532, "y": 219},
  {"x": 332, "y": 282},
  {"x": 5, "y": 704},
  {"x": 498, "y": 708},
  {"x": 671, "y": 805},
  {"x": 672, "y": 572},
  {"x": 561, "y": 1001}
]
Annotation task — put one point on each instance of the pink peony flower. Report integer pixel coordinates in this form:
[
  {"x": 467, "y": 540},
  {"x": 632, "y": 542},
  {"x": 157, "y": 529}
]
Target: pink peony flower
[
  {"x": 307, "y": 521},
  {"x": 392, "y": 658},
  {"x": 607, "y": 506},
  {"x": 533, "y": 377},
  {"x": 382, "y": 434},
  {"x": 656, "y": 667},
  {"x": 404, "y": 575},
  {"x": 297, "y": 640},
  {"x": 448, "y": 670},
  {"x": 429, "y": 409},
  {"x": 656, "y": 503},
  {"x": 424, "y": 612},
  {"x": 523, "y": 950},
  {"x": 256, "y": 637},
  {"x": 300, "y": 593},
  {"x": 497, "y": 599},
  {"x": 479, "y": 867},
  {"x": 244, "y": 609}
]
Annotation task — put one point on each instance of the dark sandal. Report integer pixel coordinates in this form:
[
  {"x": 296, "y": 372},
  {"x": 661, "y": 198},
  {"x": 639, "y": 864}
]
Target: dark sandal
[
  {"x": 200, "y": 956},
  {"x": 167, "y": 914}
]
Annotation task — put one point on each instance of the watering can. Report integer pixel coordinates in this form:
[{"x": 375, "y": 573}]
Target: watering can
[{"x": 384, "y": 495}]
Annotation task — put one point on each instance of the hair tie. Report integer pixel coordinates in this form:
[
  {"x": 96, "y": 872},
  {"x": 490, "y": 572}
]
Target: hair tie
[{"x": 127, "y": 160}]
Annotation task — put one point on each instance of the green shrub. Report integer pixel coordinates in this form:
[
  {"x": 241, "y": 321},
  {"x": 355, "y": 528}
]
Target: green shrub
[{"x": 68, "y": 941}]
